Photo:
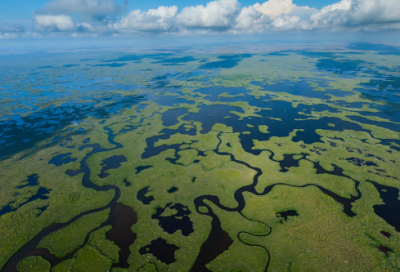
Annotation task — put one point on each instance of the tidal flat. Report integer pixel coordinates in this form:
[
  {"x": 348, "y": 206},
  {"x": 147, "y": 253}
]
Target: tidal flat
[{"x": 256, "y": 159}]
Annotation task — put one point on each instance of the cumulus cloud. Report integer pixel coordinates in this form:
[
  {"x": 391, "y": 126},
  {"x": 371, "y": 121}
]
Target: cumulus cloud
[
  {"x": 246, "y": 18},
  {"x": 154, "y": 20},
  {"x": 218, "y": 14},
  {"x": 283, "y": 15},
  {"x": 353, "y": 13},
  {"x": 274, "y": 8},
  {"x": 107, "y": 17},
  {"x": 54, "y": 23}
]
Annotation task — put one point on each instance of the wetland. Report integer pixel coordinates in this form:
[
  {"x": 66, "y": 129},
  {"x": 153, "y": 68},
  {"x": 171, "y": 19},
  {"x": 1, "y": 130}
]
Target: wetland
[{"x": 193, "y": 160}]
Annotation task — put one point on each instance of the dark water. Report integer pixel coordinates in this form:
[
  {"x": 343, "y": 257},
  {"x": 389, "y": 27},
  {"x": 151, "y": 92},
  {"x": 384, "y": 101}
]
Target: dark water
[
  {"x": 217, "y": 242},
  {"x": 284, "y": 215},
  {"x": 390, "y": 210},
  {"x": 212, "y": 114},
  {"x": 162, "y": 250},
  {"x": 228, "y": 61},
  {"x": 31, "y": 181},
  {"x": 391, "y": 82},
  {"x": 318, "y": 55},
  {"x": 382, "y": 96},
  {"x": 386, "y": 112},
  {"x": 169, "y": 118},
  {"x": 179, "y": 221},
  {"x": 111, "y": 65},
  {"x": 42, "y": 193},
  {"x": 129, "y": 58},
  {"x": 122, "y": 219},
  {"x": 141, "y": 196},
  {"x": 151, "y": 151},
  {"x": 342, "y": 66},
  {"x": 44, "y": 123},
  {"x": 173, "y": 190},
  {"x": 289, "y": 161},
  {"x": 279, "y": 54},
  {"x": 161, "y": 82},
  {"x": 175, "y": 61},
  {"x": 383, "y": 49},
  {"x": 113, "y": 162},
  {"x": 391, "y": 126},
  {"x": 31, "y": 249},
  {"x": 214, "y": 92},
  {"x": 62, "y": 159},
  {"x": 283, "y": 110},
  {"x": 141, "y": 168},
  {"x": 170, "y": 101},
  {"x": 73, "y": 173},
  {"x": 303, "y": 88}
]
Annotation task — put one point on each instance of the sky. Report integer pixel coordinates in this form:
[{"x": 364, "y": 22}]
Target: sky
[
  {"x": 22, "y": 9},
  {"x": 113, "y": 18}
]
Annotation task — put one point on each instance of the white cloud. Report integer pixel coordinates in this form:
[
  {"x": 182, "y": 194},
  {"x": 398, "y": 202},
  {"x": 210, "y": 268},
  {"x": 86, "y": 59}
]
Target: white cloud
[
  {"x": 246, "y": 18},
  {"x": 219, "y": 14},
  {"x": 95, "y": 17},
  {"x": 274, "y": 8},
  {"x": 357, "y": 13},
  {"x": 54, "y": 23},
  {"x": 283, "y": 15},
  {"x": 154, "y": 20}
]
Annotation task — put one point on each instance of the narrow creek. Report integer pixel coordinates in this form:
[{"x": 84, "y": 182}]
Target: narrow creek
[
  {"x": 217, "y": 242},
  {"x": 31, "y": 248},
  {"x": 199, "y": 202}
]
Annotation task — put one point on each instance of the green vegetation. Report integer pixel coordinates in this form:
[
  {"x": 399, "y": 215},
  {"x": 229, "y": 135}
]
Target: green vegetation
[
  {"x": 69, "y": 238},
  {"x": 318, "y": 173},
  {"x": 33, "y": 264}
]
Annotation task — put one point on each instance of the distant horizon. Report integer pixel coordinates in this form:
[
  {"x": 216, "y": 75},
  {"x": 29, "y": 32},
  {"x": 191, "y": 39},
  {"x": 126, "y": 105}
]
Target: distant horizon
[{"x": 149, "y": 43}]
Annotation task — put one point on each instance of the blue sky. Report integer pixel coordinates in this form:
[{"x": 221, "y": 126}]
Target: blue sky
[{"x": 173, "y": 18}]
